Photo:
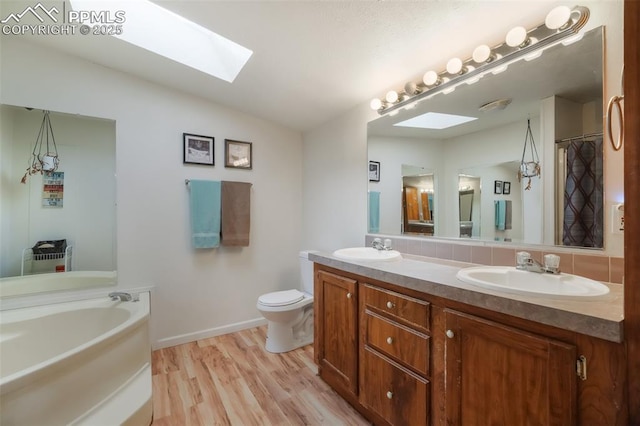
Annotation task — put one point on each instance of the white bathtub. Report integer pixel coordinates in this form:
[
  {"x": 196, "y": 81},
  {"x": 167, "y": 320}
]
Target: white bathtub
[{"x": 83, "y": 363}]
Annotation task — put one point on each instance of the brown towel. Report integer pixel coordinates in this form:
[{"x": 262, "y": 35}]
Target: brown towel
[{"x": 236, "y": 213}]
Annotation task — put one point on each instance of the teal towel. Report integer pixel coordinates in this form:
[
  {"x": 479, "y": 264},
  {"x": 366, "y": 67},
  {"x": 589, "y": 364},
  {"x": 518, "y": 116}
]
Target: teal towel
[
  {"x": 205, "y": 213},
  {"x": 374, "y": 211},
  {"x": 501, "y": 214}
]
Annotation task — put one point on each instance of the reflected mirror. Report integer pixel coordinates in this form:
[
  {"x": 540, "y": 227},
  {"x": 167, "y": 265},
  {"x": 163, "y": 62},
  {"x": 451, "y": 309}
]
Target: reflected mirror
[
  {"x": 560, "y": 92},
  {"x": 418, "y": 198},
  {"x": 79, "y": 210}
]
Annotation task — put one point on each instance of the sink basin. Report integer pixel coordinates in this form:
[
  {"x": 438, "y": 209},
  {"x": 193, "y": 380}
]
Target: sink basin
[
  {"x": 511, "y": 280},
  {"x": 367, "y": 254}
]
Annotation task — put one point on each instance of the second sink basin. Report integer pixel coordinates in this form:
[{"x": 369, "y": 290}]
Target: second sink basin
[
  {"x": 511, "y": 280},
  {"x": 367, "y": 254}
]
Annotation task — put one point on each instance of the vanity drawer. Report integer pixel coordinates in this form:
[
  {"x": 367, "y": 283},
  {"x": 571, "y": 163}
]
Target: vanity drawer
[
  {"x": 398, "y": 396},
  {"x": 404, "y": 309},
  {"x": 399, "y": 342}
]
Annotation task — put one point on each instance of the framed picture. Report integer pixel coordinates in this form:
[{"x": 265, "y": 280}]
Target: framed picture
[
  {"x": 198, "y": 149},
  {"x": 497, "y": 187},
  {"x": 237, "y": 154},
  {"x": 374, "y": 171},
  {"x": 506, "y": 188}
]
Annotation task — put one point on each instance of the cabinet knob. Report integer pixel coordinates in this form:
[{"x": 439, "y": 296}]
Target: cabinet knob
[
  {"x": 450, "y": 334},
  {"x": 389, "y": 340},
  {"x": 348, "y": 295},
  {"x": 391, "y": 305},
  {"x": 389, "y": 394}
]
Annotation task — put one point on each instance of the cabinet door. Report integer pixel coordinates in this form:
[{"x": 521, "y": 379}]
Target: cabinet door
[
  {"x": 338, "y": 357},
  {"x": 500, "y": 375}
]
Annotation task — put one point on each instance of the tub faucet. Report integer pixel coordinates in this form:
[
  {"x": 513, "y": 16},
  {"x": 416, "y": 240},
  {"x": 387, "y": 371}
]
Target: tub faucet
[
  {"x": 123, "y": 297},
  {"x": 525, "y": 262}
]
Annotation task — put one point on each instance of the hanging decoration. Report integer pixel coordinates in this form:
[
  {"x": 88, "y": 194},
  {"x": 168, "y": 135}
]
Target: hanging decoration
[
  {"x": 44, "y": 157},
  {"x": 529, "y": 169}
]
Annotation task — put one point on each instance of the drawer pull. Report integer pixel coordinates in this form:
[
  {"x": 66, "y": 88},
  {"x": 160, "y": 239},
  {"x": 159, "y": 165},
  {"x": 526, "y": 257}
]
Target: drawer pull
[
  {"x": 391, "y": 305},
  {"x": 450, "y": 334},
  {"x": 348, "y": 295},
  {"x": 389, "y": 394},
  {"x": 389, "y": 340}
]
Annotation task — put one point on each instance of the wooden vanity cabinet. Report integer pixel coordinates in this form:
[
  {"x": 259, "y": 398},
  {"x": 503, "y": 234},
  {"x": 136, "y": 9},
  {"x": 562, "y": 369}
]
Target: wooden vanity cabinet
[
  {"x": 336, "y": 331},
  {"x": 497, "y": 374},
  {"x": 401, "y": 359}
]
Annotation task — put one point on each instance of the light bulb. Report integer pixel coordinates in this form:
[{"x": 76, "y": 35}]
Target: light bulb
[
  {"x": 517, "y": 37},
  {"x": 431, "y": 78},
  {"x": 411, "y": 88},
  {"x": 392, "y": 96},
  {"x": 483, "y": 54},
  {"x": 559, "y": 18},
  {"x": 454, "y": 66},
  {"x": 375, "y": 104}
]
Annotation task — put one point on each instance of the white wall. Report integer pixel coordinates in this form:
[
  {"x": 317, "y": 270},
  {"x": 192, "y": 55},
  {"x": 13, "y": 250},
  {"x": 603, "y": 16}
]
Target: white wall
[
  {"x": 197, "y": 292},
  {"x": 333, "y": 216},
  {"x": 86, "y": 148}
]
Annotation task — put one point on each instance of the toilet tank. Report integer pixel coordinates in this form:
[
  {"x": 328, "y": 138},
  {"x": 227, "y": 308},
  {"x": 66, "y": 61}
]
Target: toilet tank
[{"x": 306, "y": 271}]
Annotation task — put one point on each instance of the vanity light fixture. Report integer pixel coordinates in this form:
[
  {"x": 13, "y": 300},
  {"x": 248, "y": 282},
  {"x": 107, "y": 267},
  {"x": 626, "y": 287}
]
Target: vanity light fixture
[
  {"x": 561, "y": 25},
  {"x": 47, "y": 160}
]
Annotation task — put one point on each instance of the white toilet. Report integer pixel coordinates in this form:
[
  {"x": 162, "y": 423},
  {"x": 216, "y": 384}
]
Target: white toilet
[{"x": 290, "y": 312}]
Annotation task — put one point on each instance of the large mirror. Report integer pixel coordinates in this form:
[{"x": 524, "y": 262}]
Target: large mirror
[
  {"x": 83, "y": 214},
  {"x": 475, "y": 164}
]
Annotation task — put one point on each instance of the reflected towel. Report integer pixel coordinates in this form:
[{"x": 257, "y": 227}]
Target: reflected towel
[
  {"x": 507, "y": 215},
  {"x": 374, "y": 211},
  {"x": 204, "y": 202},
  {"x": 500, "y": 214},
  {"x": 236, "y": 213}
]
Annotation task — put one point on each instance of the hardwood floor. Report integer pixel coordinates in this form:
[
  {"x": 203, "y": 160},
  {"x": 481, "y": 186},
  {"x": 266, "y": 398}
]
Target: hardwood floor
[{"x": 233, "y": 380}]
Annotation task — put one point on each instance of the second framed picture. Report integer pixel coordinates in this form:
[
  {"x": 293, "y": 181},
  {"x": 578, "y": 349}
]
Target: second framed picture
[
  {"x": 237, "y": 154},
  {"x": 374, "y": 171},
  {"x": 497, "y": 187},
  {"x": 506, "y": 188}
]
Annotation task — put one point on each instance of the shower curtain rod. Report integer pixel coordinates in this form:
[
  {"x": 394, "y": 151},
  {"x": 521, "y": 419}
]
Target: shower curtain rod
[{"x": 575, "y": 138}]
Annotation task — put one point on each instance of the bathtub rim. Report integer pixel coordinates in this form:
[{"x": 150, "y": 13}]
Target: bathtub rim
[{"x": 26, "y": 376}]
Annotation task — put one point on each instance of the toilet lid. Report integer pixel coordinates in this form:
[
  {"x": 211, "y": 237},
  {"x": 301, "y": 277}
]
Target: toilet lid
[{"x": 281, "y": 298}]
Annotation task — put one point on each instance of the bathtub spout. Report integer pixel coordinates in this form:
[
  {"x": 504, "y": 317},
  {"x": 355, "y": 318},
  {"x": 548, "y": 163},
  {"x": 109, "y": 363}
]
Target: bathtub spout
[{"x": 123, "y": 297}]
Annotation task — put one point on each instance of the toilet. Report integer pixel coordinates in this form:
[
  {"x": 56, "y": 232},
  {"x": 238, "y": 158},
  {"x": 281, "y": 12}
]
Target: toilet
[{"x": 290, "y": 312}]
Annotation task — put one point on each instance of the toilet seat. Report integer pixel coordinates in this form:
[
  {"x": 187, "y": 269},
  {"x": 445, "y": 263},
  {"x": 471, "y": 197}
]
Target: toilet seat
[{"x": 281, "y": 298}]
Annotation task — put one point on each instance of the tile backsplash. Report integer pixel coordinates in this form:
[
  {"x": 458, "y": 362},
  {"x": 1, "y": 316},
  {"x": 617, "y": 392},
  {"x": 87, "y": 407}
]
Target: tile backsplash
[{"x": 595, "y": 266}]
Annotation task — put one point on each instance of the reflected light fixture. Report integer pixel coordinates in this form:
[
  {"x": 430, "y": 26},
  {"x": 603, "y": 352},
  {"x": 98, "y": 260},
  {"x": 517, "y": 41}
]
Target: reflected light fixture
[
  {"x": 47, "y": 160},
  {"x": 562, "y": 25}
]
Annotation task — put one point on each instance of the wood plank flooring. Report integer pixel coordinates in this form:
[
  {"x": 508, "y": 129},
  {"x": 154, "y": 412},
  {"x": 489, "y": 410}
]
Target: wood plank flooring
[{"x": 233, "y": 380}]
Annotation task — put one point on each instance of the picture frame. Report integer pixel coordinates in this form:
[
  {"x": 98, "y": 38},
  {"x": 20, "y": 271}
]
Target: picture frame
[
  {"x": 374, "y": 171},
  {"x": 506, "y": 188},
  {"x": 198, "y": 149},
  {"x": 497, "y": 187},
  {"x": 238, "y": 154}
]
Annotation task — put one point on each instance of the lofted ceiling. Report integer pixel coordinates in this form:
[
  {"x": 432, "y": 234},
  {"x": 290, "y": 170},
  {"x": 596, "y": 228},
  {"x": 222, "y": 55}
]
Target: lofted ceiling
[{"x": 314, "y": 60}]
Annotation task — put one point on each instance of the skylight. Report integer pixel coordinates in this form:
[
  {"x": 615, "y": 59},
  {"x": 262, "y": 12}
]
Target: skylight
[
  {"x": 151, "y": 27},
  {"x": 435, "y": 120}
]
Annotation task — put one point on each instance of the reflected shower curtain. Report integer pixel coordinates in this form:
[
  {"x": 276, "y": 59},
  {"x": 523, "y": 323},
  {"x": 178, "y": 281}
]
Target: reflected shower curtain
[{"x": 583, "y": 197}]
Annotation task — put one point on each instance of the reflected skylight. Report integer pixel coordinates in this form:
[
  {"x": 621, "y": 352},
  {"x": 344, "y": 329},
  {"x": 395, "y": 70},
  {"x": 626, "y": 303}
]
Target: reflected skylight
[
  {"x": 151, "y": 27},
  {"x": 435, "y": 120}
]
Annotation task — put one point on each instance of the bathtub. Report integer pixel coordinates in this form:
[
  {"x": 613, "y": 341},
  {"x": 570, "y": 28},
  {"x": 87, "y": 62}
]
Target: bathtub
[{"x": 85, "y": 362}]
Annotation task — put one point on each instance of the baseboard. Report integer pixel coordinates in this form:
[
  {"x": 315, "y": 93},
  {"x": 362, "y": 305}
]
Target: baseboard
[{"x": 205, "y": 334}]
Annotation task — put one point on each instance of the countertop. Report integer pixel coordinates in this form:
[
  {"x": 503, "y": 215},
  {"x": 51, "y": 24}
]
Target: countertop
[{"x": 600, "y": 316}]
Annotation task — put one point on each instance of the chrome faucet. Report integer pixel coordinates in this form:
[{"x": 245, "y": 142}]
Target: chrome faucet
[
  {"x": 525, "y": 262},
  {"x": 379, "y": 245},
  {"x": 123, "y": 297}
]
